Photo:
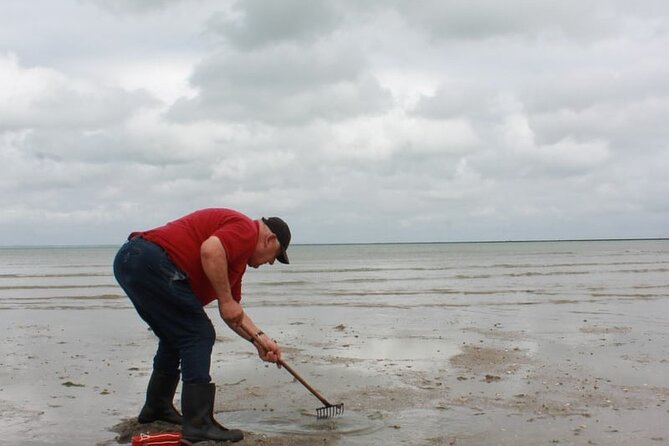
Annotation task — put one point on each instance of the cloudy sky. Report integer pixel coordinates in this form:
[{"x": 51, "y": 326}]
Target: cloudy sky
[{"x": 356, "y": 121}]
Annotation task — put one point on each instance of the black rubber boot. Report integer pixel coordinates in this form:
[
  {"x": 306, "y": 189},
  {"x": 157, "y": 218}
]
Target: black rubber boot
[
  {"x": 159, "y": 396},
  {"x": 197, "y": 405}
]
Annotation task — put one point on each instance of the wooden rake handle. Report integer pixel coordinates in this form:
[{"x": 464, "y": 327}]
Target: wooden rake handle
[
  {"x": 297, "y": 376},
  {"x": 283, "y": 364}
]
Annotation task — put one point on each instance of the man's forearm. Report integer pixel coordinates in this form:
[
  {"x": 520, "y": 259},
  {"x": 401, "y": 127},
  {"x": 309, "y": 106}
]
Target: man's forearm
[{"x": 247, "y": 329}]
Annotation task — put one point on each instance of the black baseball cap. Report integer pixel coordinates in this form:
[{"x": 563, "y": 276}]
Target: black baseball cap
[{"x": 282, "y": 232}]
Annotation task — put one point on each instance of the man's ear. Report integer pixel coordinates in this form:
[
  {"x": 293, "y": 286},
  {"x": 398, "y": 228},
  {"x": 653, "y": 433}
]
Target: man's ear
[{"x": 270, "y": 237}]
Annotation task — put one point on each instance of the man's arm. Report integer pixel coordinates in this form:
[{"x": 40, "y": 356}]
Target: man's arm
[{"x": 215, "y": 263}]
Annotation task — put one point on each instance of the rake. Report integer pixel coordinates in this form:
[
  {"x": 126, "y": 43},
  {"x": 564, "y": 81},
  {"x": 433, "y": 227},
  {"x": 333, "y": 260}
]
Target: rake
[{"x": 327, "y": 411}]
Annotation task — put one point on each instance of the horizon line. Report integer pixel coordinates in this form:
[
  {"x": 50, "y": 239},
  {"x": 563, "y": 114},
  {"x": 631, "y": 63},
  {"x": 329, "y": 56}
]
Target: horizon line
[{"x": 605, "y": 239}]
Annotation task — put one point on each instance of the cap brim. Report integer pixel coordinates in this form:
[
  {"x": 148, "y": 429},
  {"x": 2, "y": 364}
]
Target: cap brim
[{"x": 283, "y": 257}]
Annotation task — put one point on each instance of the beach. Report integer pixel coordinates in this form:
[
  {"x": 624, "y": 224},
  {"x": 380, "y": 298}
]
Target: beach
[{"x": 463, "y": 345}]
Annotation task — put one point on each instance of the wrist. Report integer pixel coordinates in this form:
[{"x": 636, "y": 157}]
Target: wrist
[{"x": 253, "y": 338}]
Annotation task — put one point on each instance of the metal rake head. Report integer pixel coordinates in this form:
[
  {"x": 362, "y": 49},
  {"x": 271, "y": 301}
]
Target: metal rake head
[{"x": 332, "y": 410}]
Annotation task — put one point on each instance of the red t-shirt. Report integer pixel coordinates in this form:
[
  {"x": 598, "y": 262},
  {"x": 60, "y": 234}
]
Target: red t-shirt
[{"x": 181, "y": 239}]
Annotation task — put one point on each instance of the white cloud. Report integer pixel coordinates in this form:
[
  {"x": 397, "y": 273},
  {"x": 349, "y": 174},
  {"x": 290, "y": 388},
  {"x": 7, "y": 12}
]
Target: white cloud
[
  {"x": 386, "y": 136},
  {"x": 41, "y": 97},
  {"x": 357, "y": 121}
]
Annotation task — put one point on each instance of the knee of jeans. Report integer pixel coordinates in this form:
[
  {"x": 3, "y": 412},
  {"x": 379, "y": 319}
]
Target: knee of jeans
[{"x": 203, "y": 335}]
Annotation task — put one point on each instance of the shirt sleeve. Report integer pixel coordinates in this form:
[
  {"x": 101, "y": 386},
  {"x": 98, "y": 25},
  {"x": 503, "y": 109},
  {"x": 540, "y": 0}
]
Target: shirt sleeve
[{"x": 239, "y": 241}]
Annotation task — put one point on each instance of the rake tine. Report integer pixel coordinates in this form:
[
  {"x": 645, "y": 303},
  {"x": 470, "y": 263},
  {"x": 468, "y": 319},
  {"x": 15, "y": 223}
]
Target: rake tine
[{"x": 332, "y": 410}]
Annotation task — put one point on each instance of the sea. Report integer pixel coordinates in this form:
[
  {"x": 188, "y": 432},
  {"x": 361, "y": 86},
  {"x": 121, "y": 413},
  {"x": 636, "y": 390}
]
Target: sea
[{"x": 381, "y": 275}]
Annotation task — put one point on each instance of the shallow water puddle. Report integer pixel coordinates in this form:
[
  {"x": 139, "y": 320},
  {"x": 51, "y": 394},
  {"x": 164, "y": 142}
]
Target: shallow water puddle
[
  {"x": 355, "y": 428},
  {"x": 415, "y": 348},
  {"x": 303, "y": 423}
]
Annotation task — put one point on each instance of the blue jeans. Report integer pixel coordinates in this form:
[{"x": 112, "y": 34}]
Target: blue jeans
[{"x": 163, "y": 298}]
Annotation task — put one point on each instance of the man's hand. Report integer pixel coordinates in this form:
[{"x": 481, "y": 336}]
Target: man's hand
[
  {"x": 231, "y": 312},
  {"x": 268, "y": 349}
]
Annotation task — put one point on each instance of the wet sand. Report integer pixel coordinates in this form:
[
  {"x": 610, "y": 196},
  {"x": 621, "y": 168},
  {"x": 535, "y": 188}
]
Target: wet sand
[{"x": 558, "y": 372}]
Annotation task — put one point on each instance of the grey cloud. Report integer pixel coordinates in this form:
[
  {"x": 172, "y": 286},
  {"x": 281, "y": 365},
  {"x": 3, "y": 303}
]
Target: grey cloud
[
  {"x": 457, "y": 99},
  {"x": 490, "y": 19},
  {"x": 635, "y": 77},
  {"x": 288, "y": 67},
  {"x": 111, "y": 146},
  {"x": 283, "y": 84},
  {"x": 134, "y": 7},
  {"x": 256, "y": 23},
  {"x": 636, "y": 128}
]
